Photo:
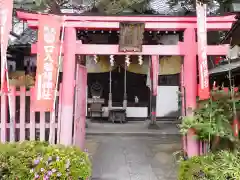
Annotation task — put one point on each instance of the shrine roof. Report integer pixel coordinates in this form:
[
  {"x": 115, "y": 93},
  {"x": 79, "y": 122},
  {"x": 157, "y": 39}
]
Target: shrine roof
[
  {"x": 233, "y": 35},
  {"x": 233, "y": 66},
  {"x": 30, "y": 15},
  {"x": 27, "y": 37}
]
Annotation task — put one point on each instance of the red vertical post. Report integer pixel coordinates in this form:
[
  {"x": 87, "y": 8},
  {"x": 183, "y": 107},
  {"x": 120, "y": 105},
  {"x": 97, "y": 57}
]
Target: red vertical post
[
  {"x": 68, "y": 86},
  {"x": 190, "y": 83},
  {"x": 80, "y": 106},
  {"x": 154, "y": 81}
]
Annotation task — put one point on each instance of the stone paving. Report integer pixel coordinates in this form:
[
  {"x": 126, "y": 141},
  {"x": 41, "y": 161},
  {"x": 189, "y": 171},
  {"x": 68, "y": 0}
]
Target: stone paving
[
  {"x": 131, "y": 128},
  {"x": 133, "y": 157}
]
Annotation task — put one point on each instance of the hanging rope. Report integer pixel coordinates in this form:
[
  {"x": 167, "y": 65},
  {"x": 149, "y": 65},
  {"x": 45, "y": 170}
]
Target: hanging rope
[
  {"x": 112, "y": 60},
  {"x": 95, "y": 58},
  {"x": 127, "y": 60},
  {"x": 52, "y": 122},
  {"x": 140, "y": 59}
]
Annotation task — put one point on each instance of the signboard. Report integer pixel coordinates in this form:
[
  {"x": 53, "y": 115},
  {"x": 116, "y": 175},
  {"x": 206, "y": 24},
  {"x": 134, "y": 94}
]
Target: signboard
[
  {"x": 6, "y": 7},
  {"x": 131, "y": 37},
  {"x": 47, "y": 61},
  {"x": 204, "y": 92}
]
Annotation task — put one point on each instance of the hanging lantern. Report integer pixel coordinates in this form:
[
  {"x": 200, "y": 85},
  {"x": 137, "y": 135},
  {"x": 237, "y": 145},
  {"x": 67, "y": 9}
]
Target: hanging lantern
[
  {"x": 112, "y": 60},
  {"x": 140, "y": 59},
  {"x": 95, "y": 58},
  {"x": 127, "y": 60}
]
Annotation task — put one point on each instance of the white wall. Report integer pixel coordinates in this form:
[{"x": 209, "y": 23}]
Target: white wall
[
  {"x": 167, "y": 100},
  {"x": 138, "y": 112}
]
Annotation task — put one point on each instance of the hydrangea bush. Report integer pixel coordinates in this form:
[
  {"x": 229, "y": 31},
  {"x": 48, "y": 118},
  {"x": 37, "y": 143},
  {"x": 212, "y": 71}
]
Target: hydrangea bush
[{"x": 38, "y": 160}]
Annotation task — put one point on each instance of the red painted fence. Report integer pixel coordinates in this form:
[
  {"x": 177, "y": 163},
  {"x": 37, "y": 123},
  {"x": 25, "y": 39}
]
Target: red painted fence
[{"x": 28, "y": 124}]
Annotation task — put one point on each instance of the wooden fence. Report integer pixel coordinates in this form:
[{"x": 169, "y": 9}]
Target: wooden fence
[{"x": 28, "y": 124}]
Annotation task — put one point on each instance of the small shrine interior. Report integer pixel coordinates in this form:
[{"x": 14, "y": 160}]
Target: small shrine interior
[{"x": 129, "y": 74}]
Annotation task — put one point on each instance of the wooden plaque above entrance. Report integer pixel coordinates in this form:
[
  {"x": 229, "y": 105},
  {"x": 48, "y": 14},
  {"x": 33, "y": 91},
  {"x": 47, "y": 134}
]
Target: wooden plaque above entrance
[{"x": 131, "y": 37}]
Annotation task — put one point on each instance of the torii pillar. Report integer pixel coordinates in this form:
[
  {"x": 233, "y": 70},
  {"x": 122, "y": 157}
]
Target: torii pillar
[
  {"x": 154, "y": 89},
  {"x": 190, "y": 84},
  {"x": 68, "y": 85}
]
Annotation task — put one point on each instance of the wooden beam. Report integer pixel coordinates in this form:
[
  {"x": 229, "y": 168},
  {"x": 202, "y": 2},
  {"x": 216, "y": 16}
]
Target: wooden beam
[
  {"x": 162, "y": 50},
  {"x": 217, "y": 50},
  {"x": 157, "y": 26}
]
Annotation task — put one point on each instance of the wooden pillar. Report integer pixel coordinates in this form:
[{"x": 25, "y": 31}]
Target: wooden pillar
[
  {"x": 80, "y": 106},
  {"x": 190, "y": 83},
  {"x": 154, "y": 81},
  {"x": 68, "y": 86}
]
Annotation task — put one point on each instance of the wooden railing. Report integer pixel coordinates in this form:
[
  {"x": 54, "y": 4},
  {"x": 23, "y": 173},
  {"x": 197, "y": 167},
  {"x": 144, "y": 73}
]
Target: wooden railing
[{"x": 27, "y": 123}]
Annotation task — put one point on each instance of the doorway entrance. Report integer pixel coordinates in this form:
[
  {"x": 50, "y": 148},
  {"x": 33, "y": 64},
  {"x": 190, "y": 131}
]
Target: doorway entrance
[{"x": 119, "y": 80}]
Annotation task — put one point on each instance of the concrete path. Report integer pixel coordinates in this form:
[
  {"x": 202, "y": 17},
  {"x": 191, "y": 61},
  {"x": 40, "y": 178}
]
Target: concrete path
[{"x": 133, "y": 157}]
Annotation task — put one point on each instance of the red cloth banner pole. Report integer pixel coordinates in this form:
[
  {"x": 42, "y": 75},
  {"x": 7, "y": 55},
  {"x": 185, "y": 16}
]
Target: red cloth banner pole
[
  {"x": 6, "y": 7},
  {"x": 47, "y": 61},
  {"x": 204, "y": 92}
]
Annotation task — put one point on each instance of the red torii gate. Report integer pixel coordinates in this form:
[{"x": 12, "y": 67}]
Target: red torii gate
[{"x": 187, "y": 48}]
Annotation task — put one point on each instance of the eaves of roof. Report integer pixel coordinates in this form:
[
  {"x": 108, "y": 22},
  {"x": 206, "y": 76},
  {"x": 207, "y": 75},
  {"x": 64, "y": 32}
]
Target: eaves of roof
[{"x": 235, "y": 27}]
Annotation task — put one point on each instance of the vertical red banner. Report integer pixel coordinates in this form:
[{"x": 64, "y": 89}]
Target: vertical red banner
[
  {"x": 47, "y": 61},
  {"x": 204, "y": 92},
  {"x": 155, "y": 73},
  {"x": 6, "y": 8}
]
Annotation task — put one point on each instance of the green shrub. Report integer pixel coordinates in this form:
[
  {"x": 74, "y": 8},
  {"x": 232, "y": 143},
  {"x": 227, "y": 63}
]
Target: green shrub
[
  {"x": 39, "y": 160},
  {"x": 211, "y": 120},
  {"x": 223, "y": 165}
]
